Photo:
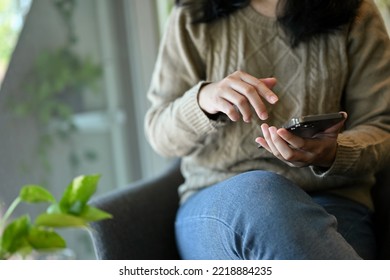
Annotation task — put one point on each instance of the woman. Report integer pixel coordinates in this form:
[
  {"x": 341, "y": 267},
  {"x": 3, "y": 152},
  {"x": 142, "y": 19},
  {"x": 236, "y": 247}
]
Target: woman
[{"x": 229, "y": 74}]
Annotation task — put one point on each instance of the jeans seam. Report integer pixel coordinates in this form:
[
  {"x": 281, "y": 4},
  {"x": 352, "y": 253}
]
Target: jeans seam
[{"x": 217, "y": 220}]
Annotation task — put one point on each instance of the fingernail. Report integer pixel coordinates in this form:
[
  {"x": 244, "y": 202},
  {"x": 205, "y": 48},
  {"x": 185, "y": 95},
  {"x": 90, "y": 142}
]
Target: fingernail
[
  {"x": 274, "y": 99},
  {"x": 264, "y": 116}
]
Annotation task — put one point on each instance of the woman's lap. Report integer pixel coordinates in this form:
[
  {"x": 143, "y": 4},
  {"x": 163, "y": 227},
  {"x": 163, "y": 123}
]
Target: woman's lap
[{"x": 261, "y": 215}]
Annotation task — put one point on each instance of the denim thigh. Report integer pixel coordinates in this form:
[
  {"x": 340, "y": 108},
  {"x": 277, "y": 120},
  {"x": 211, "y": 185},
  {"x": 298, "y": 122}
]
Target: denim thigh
[
  {"x": 354, "y": 222},
  {"x": 260, "y": 215}
]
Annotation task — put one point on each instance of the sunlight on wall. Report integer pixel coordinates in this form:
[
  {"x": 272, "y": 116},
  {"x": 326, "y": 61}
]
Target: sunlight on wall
[
  {"x": 384, "y": 7},
  {"x": 12, "y": 15},
  {"x": 164, "y": 8}
]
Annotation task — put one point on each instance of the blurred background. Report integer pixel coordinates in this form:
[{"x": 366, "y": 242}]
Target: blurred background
[{"x": 74, "y": 76}]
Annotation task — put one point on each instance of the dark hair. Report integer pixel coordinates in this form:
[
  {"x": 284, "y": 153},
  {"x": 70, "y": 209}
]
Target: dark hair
[{"x": 301, "y": 19}]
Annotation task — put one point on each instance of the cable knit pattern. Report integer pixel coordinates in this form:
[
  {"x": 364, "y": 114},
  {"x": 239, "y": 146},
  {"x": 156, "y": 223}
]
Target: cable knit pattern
[{"x": 347, "y": 70}]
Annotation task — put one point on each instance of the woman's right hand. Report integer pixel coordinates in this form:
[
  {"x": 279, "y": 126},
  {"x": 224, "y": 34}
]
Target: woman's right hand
[{"x": 236, "y": 94}]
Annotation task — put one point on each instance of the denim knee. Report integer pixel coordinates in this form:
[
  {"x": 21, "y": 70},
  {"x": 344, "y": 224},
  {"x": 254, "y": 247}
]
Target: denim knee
[
  {"x": 260, "y": 191},
  {"x": 258, "y": 215},
  {"x": 253, "y": 193}
]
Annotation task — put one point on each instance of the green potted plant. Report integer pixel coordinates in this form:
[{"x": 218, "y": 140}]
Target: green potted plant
[{"x": 22, "y": 236}]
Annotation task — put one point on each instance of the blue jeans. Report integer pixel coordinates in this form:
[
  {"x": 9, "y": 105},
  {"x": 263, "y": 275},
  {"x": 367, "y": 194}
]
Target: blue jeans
[{"x": 261, "y": 215}]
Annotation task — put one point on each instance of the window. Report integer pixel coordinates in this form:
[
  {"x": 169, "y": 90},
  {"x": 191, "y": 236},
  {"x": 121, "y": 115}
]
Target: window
[{"x": 12, "y": 15}]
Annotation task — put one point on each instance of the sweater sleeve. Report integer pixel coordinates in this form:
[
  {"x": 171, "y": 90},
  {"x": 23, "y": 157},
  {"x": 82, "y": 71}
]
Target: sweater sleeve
[
  {"x": 175, "y": 124},
  {"x": 364, "y": 146}
]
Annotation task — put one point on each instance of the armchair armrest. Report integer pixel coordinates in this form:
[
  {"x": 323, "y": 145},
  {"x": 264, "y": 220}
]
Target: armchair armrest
[{"x": 143, "y": 219}]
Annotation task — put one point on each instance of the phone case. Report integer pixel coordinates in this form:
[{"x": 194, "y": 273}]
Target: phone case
[{"x": 308, "y": 126}]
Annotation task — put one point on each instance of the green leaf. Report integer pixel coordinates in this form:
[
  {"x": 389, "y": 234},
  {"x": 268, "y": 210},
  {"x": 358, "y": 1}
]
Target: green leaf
[
  {"x": 59, "y": 220},
  {"x": 78, "y": 193},
  {"x": 42, "y": 238},
  {"x": 92, "y": 214},
  {"x": 14, "y": 235},
  {"x": 54, "y": 208},
  {"x": 34, "y": 194}
]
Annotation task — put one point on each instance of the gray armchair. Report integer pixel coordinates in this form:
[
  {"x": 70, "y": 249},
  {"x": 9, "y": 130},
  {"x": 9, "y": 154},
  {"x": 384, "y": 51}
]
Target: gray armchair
[
  {"x": 144, "y": 214},
  {"x": 143, "y": 223}
]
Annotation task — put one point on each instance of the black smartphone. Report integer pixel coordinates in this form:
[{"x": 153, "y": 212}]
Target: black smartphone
[{"x": 308, "y": 126}]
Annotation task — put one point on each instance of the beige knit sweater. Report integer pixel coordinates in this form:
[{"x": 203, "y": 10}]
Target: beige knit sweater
[{"x": 348, "y": 70}]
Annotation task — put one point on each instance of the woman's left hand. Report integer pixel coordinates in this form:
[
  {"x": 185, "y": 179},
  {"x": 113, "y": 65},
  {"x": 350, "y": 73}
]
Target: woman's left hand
[{"x": 300, "y": 152}]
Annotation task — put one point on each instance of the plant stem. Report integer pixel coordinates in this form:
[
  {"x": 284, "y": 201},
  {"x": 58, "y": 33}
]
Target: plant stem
[{"x": 10, "y": 210}]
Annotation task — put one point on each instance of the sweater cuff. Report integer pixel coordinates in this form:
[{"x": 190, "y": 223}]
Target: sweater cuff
[
  {"x": 194, "y": 115},
  {"x": 347, "y": 155}
]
